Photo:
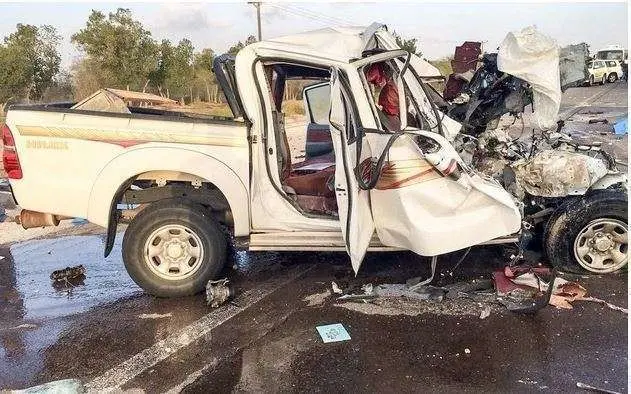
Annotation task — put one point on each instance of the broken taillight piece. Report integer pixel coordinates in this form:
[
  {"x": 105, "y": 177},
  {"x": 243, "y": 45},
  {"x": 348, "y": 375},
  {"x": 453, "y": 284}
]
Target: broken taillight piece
[{"x": 10, "y": 159}]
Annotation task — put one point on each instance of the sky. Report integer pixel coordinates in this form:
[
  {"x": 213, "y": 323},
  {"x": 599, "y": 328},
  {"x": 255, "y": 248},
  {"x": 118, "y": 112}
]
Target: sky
[{"x": 439, "y": 27}]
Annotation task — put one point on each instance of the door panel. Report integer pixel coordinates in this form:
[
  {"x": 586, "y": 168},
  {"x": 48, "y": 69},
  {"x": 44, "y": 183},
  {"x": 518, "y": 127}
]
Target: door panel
[
  {"x": 353, "y": 203},
  {"x": 416, "y": 207}
]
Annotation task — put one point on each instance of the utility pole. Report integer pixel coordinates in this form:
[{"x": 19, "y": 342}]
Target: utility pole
[{"x": 257, "y": 4}]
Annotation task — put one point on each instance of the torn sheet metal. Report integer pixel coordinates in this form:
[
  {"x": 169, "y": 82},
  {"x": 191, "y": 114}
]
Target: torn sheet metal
[
  {"x": 465, "y": 62},
  {"x": 572, "y": 65},
  {"x": 218, "y": 292},
  {"x": 534, "y": 57},
  {"x": 440, "y": 215},
  {"x": 554, "y": 173}
]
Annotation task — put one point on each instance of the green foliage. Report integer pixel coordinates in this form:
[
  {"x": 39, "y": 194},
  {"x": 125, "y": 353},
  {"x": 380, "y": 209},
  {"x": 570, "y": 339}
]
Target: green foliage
[
  {"x": 28, "y": 62},
  {"x": 407, "y": 44},
  {"x": 443, "y": 64},
  {"x": 240, "y": 45},
  {"x": 119, "y": 47}
]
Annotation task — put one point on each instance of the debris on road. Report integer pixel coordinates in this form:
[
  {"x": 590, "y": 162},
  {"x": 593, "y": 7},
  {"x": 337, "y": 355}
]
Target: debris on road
[
  {"x": 621, "y": 126},
  {"x": 68, "y": 277},
  {"x": 333, "y": 333},
  {"x": 486, "y": 312},
  {"x": 592, "y": 388},
  {"x": 73, "y": 386},
  {"x": 317, "y": 299},
  {"x": 522, "y": 285},
  {"x": 218, "y": 292},
  {"x": 336, "y": 288}
]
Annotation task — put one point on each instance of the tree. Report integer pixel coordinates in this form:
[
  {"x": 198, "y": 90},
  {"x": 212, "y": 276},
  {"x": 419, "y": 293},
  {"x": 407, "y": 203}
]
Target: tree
[
  {"x": 28, "y": 62},
  {"x": 407, "y": 44},
  {"x": 179, "y": 74},
  {"x": 240, "y": 45},
  {"x": 204, "y": 79},
  {"x": 119, "y": 47}
]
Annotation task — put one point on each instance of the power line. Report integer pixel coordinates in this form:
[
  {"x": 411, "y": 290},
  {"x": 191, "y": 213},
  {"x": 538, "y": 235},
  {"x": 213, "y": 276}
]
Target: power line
[
  {"x": 320, "y": 15},
  {"x": 321, "y": 19}
]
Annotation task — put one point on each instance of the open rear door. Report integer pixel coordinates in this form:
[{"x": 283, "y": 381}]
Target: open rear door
[{"x": 353, "y": 203}]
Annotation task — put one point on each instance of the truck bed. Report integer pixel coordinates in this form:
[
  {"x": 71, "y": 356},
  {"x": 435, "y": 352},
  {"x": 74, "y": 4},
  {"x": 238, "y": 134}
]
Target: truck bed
[{"x": 64, "y": 152}]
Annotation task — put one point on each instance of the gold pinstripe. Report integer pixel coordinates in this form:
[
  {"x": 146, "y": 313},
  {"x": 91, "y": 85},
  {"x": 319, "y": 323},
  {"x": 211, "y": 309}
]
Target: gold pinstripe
[{"x": 94, "y": 134}]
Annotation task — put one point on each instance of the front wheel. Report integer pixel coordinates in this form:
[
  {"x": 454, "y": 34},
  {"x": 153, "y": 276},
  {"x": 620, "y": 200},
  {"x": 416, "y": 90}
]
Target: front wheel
[
  {"x": 173, "y": 248},
  {"x": 590, "y": 233}
]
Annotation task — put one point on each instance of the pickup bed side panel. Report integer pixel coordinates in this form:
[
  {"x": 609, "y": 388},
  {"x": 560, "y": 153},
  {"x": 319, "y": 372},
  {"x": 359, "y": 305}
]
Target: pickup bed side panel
[
  {"x": 181, "y": 159},
  {"x": 73, "y": 162}
]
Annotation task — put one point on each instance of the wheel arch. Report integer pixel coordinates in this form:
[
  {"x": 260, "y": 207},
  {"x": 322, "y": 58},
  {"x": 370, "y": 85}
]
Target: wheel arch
[{"x": 118, "y": 174}]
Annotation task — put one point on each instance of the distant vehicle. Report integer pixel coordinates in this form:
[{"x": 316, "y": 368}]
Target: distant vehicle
[
  {"x": 598, "y": 72},
  {"x": 613, "y": 52},
  {"x": 614, "y": 70}
]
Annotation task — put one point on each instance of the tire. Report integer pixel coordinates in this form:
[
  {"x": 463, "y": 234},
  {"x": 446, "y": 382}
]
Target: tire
[
  {"x": 591, "y": 80},
  {"x": 572, "y": 241},
  {"x": 613, "y": 77},
  {"x": 173, "y": 248}
]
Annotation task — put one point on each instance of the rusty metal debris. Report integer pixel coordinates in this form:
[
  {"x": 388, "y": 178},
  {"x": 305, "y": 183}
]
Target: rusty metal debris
[
  {"x": 218, "y": 292},
  {"x": 68, "y": 277},
  {"x": 68, "y": 273}
]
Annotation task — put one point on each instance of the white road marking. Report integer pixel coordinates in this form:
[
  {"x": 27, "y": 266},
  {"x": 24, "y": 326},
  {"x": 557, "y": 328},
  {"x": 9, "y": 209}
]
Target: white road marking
[
  {"x": 116, "y": 377},
  {"x": 154, "y": 315}
]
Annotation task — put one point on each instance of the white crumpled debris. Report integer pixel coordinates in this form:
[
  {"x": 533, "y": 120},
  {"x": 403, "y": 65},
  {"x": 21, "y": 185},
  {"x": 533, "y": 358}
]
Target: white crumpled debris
[
  {"x": 555, "y": 173},
  {"x": 534, "y": 57}
]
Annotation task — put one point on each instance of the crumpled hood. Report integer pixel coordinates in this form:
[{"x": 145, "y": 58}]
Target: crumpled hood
[{"x": 555, "y": 173}]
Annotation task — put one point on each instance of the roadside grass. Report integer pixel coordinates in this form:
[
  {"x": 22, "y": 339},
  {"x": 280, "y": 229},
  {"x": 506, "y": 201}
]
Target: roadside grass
[{"x": 293, "y": 107}]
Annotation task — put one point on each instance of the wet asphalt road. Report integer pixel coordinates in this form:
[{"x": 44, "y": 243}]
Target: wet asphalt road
[{"x": 107, "y": 332}]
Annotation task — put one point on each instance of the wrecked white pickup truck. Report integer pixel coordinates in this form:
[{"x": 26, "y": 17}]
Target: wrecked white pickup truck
[{"x": 193, "y": 178}]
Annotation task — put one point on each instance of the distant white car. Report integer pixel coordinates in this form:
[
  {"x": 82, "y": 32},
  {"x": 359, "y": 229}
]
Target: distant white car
[
  {"x": 614, "y": 70},
  {"x": 598, "y": 72}
]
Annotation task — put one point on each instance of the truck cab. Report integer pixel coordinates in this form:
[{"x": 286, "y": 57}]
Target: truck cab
[{"x": 193, "y": 183}]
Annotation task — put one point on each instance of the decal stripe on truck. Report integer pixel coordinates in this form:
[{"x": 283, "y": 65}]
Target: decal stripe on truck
[{"x": 128, "y": 138}]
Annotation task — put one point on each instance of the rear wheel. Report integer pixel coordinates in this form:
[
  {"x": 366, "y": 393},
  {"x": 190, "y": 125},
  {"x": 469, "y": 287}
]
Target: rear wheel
[
  {"x": 590, "y": 233},
  {"x": 591, "y": 80},
  {"x": 173, "y": 248},
  {"x": 613, "y": 77}
]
